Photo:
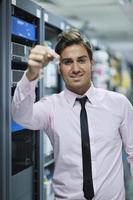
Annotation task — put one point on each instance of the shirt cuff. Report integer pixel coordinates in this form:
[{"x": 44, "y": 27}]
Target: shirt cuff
[{"x": 26, "y": 87}]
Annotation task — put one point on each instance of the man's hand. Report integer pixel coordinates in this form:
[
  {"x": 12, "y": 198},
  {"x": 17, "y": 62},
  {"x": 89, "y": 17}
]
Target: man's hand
[{"x": 39, "y": 57}]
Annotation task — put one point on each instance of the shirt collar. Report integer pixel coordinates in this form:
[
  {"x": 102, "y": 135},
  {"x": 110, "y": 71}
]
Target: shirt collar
[{"x": 71, "y": 96}]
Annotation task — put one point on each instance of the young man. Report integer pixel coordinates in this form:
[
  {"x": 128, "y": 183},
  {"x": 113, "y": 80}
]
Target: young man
[{"x": 98, "y": 174}]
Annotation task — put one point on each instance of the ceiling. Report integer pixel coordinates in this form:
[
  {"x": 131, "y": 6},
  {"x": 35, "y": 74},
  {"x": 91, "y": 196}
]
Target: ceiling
[{"x": 110, "y": 21}]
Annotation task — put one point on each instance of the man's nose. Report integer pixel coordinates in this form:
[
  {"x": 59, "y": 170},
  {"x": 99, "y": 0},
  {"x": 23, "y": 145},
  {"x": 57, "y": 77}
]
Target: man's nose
[{"x": 75, "y": 67}]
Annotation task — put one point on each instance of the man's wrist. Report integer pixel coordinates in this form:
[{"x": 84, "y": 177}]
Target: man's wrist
[{"x": 30, "y": 76}]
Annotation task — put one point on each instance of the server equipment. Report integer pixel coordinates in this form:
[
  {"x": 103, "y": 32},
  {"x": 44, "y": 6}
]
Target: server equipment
[
  {"x": 25, "y": 33},
  {"x": 25, "y": 162}
]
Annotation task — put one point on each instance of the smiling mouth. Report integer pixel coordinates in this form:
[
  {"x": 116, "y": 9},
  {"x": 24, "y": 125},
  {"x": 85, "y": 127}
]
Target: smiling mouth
[{"x": 76, "y": 78}]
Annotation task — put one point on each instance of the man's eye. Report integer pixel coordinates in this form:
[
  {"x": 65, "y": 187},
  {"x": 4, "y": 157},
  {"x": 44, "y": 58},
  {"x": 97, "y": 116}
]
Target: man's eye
[
  {"x": 67, "y": 62},
  {"x": 82, "y": 61}
]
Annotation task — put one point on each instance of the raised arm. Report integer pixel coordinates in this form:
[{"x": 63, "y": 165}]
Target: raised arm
[{"x": 24, "y": 109}]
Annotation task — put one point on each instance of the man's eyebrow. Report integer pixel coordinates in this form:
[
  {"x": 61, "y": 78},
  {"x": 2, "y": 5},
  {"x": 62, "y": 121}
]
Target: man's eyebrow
[
  {"x": 83, "y": 56},
  {"x": 66, "y": 59}
]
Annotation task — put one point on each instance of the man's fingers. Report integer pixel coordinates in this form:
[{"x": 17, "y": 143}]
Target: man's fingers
[
  {"x": 52, "y": 54},
  {"x": 45, "y": 51},
  {"x": 36, "y": 57},
  {"x": 39, "y": 57},
  {"x": 35, "y": 63}
]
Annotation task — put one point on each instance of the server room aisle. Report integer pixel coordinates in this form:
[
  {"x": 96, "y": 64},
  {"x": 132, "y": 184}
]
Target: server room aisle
[{"x": 29, "y": 154}]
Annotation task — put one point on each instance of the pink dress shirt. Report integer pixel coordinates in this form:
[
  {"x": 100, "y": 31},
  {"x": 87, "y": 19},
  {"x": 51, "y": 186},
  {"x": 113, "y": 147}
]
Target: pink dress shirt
[{"x": 110, "y": 119}]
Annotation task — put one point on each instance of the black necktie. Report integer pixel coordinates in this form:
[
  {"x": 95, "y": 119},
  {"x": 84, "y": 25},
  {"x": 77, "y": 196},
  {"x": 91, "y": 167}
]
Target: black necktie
[{"x": 86, "y": 154}]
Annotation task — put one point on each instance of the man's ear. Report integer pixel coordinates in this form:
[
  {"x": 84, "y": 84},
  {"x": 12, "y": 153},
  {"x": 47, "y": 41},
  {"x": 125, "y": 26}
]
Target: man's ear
[{"x": 92, "y": 64}]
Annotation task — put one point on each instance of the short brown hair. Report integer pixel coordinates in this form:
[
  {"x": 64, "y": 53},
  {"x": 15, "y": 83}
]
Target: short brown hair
[{"x": 73, "y": 36}]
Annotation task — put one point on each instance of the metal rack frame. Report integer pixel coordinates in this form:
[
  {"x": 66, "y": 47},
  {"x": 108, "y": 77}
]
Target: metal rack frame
[{"x": 5, "y": 133}]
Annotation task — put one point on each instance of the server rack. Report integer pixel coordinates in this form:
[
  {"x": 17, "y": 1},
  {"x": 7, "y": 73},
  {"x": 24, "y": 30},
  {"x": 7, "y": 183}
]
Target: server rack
[
  {"x": 26, "y": 144},
  {"x": 5, "y": 136},
  {"x": 21, "y": 175}
]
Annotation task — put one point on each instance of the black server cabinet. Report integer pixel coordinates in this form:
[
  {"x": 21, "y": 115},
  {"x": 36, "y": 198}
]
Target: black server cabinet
[
  {"x": 26, "y": 144},
  {"x": 5, "y": 65}
]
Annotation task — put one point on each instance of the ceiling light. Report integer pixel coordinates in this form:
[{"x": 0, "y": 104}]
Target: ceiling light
[{"x": 125, "y": 2}]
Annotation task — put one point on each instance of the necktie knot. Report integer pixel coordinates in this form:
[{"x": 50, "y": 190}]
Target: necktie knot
[{"x": 82, "y": 100}]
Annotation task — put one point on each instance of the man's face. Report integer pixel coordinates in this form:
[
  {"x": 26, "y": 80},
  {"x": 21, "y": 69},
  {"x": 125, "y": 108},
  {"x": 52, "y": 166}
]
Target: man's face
[{"x": 75, "y": 68}]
